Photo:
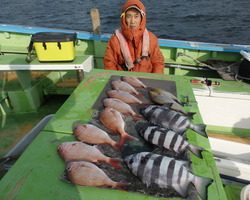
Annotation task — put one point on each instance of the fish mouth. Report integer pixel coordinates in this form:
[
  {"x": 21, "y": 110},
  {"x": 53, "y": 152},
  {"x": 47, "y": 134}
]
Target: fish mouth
[
  {"x": 127, "y": 159},
  {"x": 141, "y": 126},
  {"x": 142, "y": 111},
  {"x": 76, "y": 124}
]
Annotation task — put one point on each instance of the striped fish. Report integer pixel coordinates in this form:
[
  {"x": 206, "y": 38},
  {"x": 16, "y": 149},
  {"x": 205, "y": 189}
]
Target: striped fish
[
  {"x": 165, "y": 172},
  {"x": 166, "y": 138},
  {"x": 170, "y": 119}
]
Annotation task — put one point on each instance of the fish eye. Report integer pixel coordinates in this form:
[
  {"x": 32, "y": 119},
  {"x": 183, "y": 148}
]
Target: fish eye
[{"x": 131, "y": 161}]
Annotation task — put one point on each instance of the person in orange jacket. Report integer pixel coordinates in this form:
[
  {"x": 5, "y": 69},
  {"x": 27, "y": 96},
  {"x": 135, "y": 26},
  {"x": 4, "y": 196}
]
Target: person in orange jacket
[{"x": 133, "y": 47}]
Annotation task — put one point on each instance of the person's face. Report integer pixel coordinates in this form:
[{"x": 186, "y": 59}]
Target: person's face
[{"x": 133, "y": 18}]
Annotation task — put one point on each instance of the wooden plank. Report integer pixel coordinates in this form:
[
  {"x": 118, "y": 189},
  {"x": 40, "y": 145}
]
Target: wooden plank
[{"x": 96, "y": 22}]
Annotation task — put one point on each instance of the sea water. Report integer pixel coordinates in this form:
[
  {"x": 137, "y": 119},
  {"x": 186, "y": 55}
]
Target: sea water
[{"x": 223, "y": 21}]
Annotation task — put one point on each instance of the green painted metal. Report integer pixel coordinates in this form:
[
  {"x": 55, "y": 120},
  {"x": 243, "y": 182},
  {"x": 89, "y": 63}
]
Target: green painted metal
[
  {"x": 12, "y": 42},
  {"x": 16, "y": 42},
  {"x": 37, "y": 175},
  {"x": 27, "y": 100},
  {"x": 229, "y": 131},
  {"x": 24, "y": 78},
  {"x": 233, "y": 191},
  {"x": 79, "y": 108},
  {"x": 45, "y": 167}
]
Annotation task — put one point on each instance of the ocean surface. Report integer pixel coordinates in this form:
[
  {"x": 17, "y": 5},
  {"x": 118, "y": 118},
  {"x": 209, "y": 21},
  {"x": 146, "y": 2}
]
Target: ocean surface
[{"x": 220, "y": 21}]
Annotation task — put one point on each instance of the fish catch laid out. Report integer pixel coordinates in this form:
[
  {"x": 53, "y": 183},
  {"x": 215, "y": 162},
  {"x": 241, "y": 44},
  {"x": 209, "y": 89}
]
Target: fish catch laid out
[
  {"x": 166, "y": 172},
  {"x": 161, "y": 96},
  {"x": 91, "y": 134},
  {"x": 161, "y": 99},
  {"x": 121, "y": 106},
  {"x": 124, "y": 86},
  {"x": 112, "y": 120},
  {"x": 124, "y": 96},
  {"x": 134, "y": 81},
  {"x": 76, "y": 151},
  {"x": 88, "y": 174},
  {"x": 170, "y": 119},
  {"x": 166, "y": 138}
]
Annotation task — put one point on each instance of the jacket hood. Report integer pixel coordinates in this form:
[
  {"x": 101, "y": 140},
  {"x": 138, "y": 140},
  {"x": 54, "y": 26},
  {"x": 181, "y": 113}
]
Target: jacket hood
[{"x": 127, "y": 32}]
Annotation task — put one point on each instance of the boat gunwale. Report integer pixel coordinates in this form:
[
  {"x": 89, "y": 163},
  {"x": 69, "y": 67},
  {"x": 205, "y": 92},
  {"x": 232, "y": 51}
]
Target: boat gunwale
[{"x": 84, "y": 35}]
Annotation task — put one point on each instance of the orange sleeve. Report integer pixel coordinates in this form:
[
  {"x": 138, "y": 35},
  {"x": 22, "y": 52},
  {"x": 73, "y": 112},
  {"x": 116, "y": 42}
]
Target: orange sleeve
[
  {"x": 156, "y": 56},
  {"x": 110, "y": 60}
]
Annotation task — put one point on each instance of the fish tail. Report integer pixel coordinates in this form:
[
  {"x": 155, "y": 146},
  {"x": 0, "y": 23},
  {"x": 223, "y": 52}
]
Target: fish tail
[
  {"x": 130, "y": 137},
  {"x": 137, "y": 117},
  {"x": 201, "y": 184},
  {"x": 125, "y": 137},
  {"x": 116, "y": 145},
  {"x": 199, "y": 128},
  {"x": 195, "y": 150},
  {"x": 115, "y": 162},
  {"x": 138, "y": 94},
  {"x": 190, "y": 114}
]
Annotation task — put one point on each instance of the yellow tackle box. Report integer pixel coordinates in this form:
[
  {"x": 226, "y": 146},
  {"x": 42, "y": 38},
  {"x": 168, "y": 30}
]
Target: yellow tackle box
[{"x": 53, "y": 46}]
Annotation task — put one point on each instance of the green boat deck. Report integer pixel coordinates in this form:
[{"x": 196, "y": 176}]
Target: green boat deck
[{"x": 37, "y": 173}]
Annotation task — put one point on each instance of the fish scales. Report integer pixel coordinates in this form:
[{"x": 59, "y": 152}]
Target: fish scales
[
  {"x": 162, "y": 179},
  {"x": 182, "y": 146},
  {"x": 167, "y": 142},
  {"x": 162, "y": 139},
  {"x": 182, "y": 187},
  {"x": 147, "y": 172},
  {"x": 149, "y": 131},
  {"x": 156, "y": 169},
  {"x": 166, "y": 172},
  {"x": 135, "y": 166},
  {"x": 142, "y": 165},
  {"x": 165, "y": 138},
  {"x": 170, "y": 171},
  {"x": 173, "y": 142},
  {"x": 167, "y": 118}
]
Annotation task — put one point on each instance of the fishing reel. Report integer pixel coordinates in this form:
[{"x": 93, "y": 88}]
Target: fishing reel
[{"x": 206, "y": 82}]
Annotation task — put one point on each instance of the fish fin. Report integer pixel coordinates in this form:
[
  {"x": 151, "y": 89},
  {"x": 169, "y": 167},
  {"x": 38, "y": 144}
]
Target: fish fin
[
  {"x": 139, "y": 94},
  {"x": 195, "y": 150},
  {"x": 185, "y": 163},
  {"x": 181, "y": 191},
  {"x": 190, "y": 115},
  {"x": 115, "y": 162},
  {"x": 76, "y": 124},
  {"x": 126, "y": 137},
  {"x": 137, "y": 117},
  {"x": 64, "y": 177},
  {"x": 201, "y": 184},
  {"x": 121, "y": 185},
  {"x": 168, "y": 105},
  {"x": 116, "y": 146},
  {"x": 178, "y": 101},
  {"x": 199, "y": 128}
]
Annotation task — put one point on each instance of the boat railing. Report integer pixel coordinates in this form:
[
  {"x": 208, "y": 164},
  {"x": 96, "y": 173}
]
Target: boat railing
[{"x": 7, "y": 161}]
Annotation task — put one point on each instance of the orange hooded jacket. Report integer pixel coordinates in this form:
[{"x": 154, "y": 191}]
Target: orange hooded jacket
[{"x": 114, "y": 60}]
